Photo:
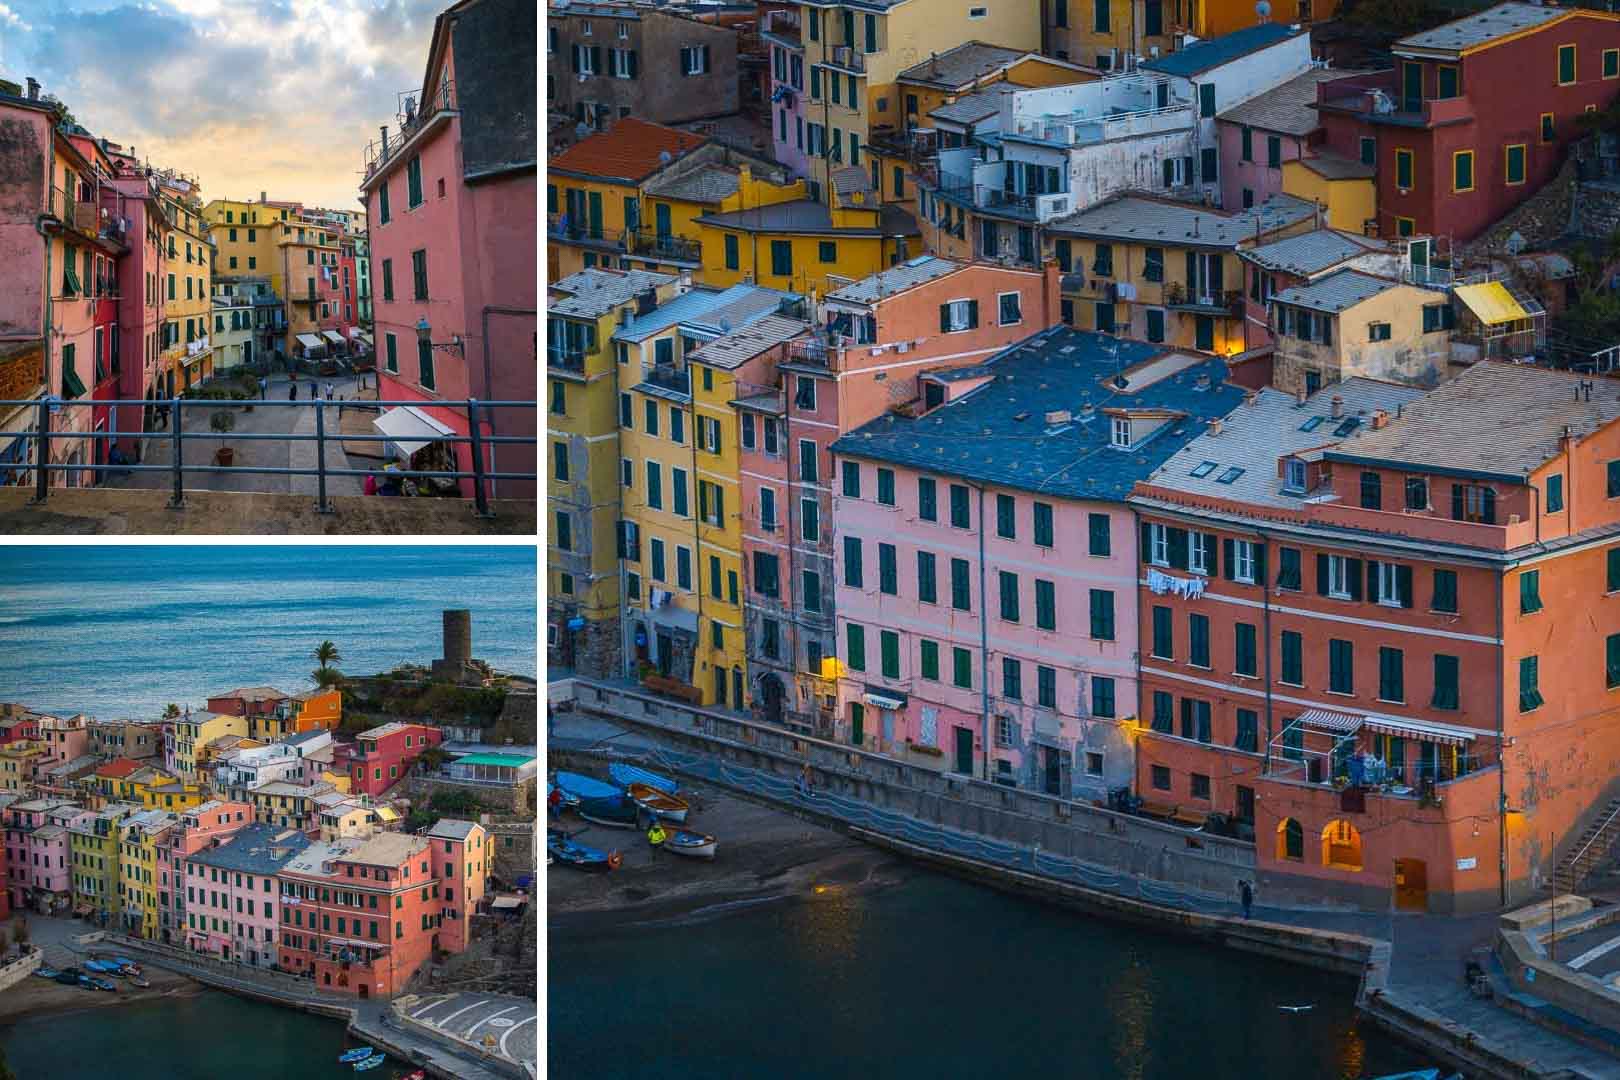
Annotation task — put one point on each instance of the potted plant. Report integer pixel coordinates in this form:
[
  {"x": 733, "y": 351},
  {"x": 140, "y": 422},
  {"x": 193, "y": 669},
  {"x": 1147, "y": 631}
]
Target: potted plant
[{"x": 223, "y": 423}]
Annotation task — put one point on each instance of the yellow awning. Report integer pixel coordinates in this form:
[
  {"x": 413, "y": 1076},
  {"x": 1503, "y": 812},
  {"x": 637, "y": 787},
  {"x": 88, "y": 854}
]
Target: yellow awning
[{"x": 1491, "y": 303}]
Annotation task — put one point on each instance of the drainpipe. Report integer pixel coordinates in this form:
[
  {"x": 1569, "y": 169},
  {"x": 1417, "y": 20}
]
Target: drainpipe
[
  {"x": 494, "y": 429},
  {"x": 1141, "y": 610},
  {"x": 42, "y": 445},
  {"x": 1265, "y": 599},
  {"x": 984, "y": 638},
  {"x": 1501, "y": 760}
]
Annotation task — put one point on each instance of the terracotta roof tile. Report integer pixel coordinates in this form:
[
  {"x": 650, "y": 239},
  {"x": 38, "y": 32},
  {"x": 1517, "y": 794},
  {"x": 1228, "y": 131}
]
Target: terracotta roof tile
[{"x": 629, "y": 151}]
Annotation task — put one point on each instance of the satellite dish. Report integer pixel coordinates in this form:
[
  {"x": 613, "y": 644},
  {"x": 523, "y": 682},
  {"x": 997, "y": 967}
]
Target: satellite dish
[
  {"x": 1263, "y": 9},
  {"x": 665, "y": 157}
]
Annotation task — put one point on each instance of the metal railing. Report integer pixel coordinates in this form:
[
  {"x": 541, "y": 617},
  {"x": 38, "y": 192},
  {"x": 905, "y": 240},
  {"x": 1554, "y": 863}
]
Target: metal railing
[
  {"x": 477, "y": 411},
  {"x": 412, "y": 116},
  {"x": 668, "y": 377},
  {"x": 648, "y": 242}
]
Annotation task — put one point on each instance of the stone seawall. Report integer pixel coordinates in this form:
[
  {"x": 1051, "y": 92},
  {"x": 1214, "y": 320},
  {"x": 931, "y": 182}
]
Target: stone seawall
[{"x": 19, "y": 969}]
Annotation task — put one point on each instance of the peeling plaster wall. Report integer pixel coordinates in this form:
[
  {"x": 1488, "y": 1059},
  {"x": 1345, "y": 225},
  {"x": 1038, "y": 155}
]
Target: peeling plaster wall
[{"x": 24, "y": 174}]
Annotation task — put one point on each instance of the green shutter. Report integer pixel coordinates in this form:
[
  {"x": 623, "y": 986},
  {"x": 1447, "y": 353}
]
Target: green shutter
[
  {"x": 1198, "y": 640},
  {"x": 889, "y": 645},
  {"x": 1529, "y": 688},
  {"x": 930, "y": 659},
  {"x": 855, "y": 648},
  {"x": 1293, "y": 658}
]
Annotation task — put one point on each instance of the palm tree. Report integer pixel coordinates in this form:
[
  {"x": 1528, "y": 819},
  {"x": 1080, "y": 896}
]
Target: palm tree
[
  {"x": 326, "y": 677},
  {"x": 325, "y": 654},
  {"x": 171, "y": 712}
]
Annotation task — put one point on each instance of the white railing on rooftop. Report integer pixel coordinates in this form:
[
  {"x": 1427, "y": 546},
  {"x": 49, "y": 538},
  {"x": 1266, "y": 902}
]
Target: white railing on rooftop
[{"x": 1077, "y": 129}]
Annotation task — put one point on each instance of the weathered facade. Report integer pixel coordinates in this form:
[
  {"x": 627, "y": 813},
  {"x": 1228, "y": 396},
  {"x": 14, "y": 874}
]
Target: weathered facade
[{"x": 607, "y": 61}]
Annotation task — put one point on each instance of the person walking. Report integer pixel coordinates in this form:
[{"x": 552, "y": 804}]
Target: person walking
[
  {"x": 656, "y": 835},
  {"x": 292, "y": 392},
  {"x": 1246, "y": 891},
  {"x": 330, "y": 390},
  {"x": 264, "y": 387}
]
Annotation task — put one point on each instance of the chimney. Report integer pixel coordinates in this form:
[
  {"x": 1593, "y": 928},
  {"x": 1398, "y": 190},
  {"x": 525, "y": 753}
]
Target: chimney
[
  {"x": 1380, "y": 418},
  {"x": 33, "y": 88},
  {"x": 384, "y": 130},
  {"x": 1215, "y": 426},
  {"x": 1299, "y": 398},
  {"x": 264, "y": 196},
  {"x": 1338, "y": 406}
]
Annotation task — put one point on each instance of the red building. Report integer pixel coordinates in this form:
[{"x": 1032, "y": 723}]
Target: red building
[
  {"x": 249, "y": 701},
  {"x": 1379, "y": 630},
  {"x": 1477, "y": 114},
  {"x": 359, "y": 916},
  {"x": 450, "y": 207},
  {"x": 17, "y": 724},
  {"x": 381, "y": 757},
  {"x": 131, "y": 199},
  {"x": 463, "y": 853}
]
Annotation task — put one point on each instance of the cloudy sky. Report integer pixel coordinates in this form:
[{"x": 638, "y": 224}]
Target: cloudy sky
[{"x": 248, "y": 95}]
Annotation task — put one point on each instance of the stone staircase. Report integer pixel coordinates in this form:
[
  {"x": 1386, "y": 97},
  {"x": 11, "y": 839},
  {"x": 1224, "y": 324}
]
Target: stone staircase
[{"x": 1589, "y": 849}]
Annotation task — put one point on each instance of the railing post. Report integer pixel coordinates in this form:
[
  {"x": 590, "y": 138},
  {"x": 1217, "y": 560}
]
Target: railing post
[
  {"x": 480, "y": 496},
  {"x": 177, "y": 499},
  {"x": 321, "y": 505},
  {"x": 42, "y": 453}
]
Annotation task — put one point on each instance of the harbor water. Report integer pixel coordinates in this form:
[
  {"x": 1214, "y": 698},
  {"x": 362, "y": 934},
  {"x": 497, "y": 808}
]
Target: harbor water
[
  {"x": 194, "y": 1037},
  {"x": 940, "y": 978},
  {"x": 123, "y": 631}
]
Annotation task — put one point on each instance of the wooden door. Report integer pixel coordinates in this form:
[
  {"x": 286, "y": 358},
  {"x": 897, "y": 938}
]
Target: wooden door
[
  {"x": 1411, "y": 885},
  {"x": 964, "y": 751}
]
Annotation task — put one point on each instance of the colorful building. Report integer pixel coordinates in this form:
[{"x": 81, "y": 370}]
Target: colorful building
[
  {"x": 1301, "y": 259},
  {"x": 583, "y": 494},
  {"x": 191, "y": 735},
  {"x": 232, "y": 897},
  {"x": 997, "y": 588},
  {"x": 188, "y": 291},
  {"x": 452, "y": 226},
  {"x": 272, "y": 715},
  {"x": 200, "y": 827},
  {"x": 1351, "y": 323},
  {"x": 20, "y": 764},
  {"x": 382, "y": 756},
  {"x": 286, "y": 805},
  {"x": 463, "y": 856},
  {"x": 1477, "y": 115},
  {"x": 93, "y": 853},
  {"x": 38, "y": 864},
  {"x": 142, "y": 897}
]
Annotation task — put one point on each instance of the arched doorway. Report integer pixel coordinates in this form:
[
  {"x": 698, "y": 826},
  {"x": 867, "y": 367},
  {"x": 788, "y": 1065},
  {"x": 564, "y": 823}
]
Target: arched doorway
[
  {"x": 1341, "y": 845},
  {"x": 1290, "y": 840},
  {"x": 771, "y": 697}
]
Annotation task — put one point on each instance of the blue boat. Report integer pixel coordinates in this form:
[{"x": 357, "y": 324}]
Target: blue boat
[
  {"x": 370, "y": 1062},
  {"x": 616, "y": 811},
  {"x": 576, "y": 854},
  {"x": 627, "y": 774},
  {"x": 359, "y": 1053},
  {"x": 46, "y": 973},
  {"x": 585, "y": 787},
  {"x": 103, "y": 967}
]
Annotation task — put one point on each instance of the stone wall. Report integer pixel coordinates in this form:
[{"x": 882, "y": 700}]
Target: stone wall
[
  {"x": 517, "y": 799},
  {"x": 515, "y": 851},
  {"x": 15, "y": 971}
]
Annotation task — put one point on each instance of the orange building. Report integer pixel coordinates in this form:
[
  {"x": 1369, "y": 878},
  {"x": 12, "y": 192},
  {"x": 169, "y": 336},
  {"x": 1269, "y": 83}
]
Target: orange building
[
  {"x": 1380, "y": 632},
  {"x": 463, "y": 853},
  {"x": 272, "y": 714}
]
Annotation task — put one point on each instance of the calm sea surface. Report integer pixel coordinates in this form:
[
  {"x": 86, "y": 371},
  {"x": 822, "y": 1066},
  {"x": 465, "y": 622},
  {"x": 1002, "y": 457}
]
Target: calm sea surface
[
  {"x": 938, "y": 978},
  {"x": 123, "y": 631}
]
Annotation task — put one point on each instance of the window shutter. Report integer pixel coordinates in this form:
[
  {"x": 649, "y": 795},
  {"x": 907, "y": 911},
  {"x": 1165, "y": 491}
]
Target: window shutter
[
  {"x": 596, "y": 59},
  {"x": 630, "y": 55},
  {"x": 1259, "y": 564},
  {"x": 945, "y": 326},
  {"x": 1322, "y": 575},
  {"x": 1187, "y": 718},
  {"x": 1227, "y": 561},
  {"x": 1403, "y": 585},
  {"x": 1353, "y": 576},
  {"x": 705, "y": 66},
  {"x": 682, "y": 60},
  {"x": 1192, "y": 275},
  {"x": 1456, "y": 502},
  {"x": 1372, "y": 580},
  {"x": 573, "y": 55},
  {"x": 1490, "y": 506},
  {"x": 1178, "y": 548},
  {"x": 1147, "y": 543},
  {"x": 973, "y": 314}
]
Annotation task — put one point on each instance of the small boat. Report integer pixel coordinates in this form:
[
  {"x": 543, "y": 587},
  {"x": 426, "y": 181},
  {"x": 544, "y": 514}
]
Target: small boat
[
  {"x": 67, "y": 978},
  {"x": 616, "y": 811},
  {"x": 359, "y": 1053},
  {"x": 103, "y": 967},
  {"x": 370, "y": 1062},
  {"x": 46, "y": 973},
  {"x": 586, "y": 787},
  {"x": 577, "y": 854},
  {"x": 630, "y": 774},
  {"x": 693, "y": 845},
  {"x": 102, "y": 984},
  {"x": 127, "y": 964},
  {"x": 658, "y": 803},
  {"x": 136, "y": 980}
]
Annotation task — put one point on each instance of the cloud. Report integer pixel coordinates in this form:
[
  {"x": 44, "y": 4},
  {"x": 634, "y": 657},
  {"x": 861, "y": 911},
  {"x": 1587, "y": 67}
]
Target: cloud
[{"x": 272, "y": 95}]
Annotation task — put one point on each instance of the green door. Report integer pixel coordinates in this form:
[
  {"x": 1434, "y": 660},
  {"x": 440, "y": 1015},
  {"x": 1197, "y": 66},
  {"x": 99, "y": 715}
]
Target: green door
[
  {"x": 964, "y": 751},
  {"x": 1204, "y": 333},
  {"x": 596, "y": 215},
  {"x": 661, "y": 217},
  {"x": 1411, "y": 87},
  {"x": 857, "y": 723}
]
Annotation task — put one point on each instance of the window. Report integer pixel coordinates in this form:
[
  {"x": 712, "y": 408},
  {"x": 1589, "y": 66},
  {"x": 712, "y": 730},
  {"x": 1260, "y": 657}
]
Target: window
[
  {"x": 424, "y": 365},
  {"x": 809, "y": 520},
  {"x": 1339, "y": 577},
  {"x": 1155, "y": 324},
  {"x": 1372, "y": 491},
  {"x": 1010, "y": 312},
  {"x": 413, "y": 182},
  {"x": 1293, "y": 658},
  {"x": 1099, "y": 532},
  {"x": 1012, "y": 679},
  {"x": 1195, "y": 720},
  {"x": 1198, "y": 640},
  {"x": 811, "y": 581},
  {"x": 1566, "y": 64},
  {"x": 885, "y": 487},
  {"x": 782, "y": 258},
  {"x": 1246, "y": 150},
  {"x": 927, "y": 499},
  {"x": 1341, "y": 667},
  {"x": 1244, "y": 561},
  {"x": 960, "y": 594},
  {"x": 852, "y": 562},
  {"x": 852, "y": 479},
  {"x": 1529, "y": 592},
  {"x": 1163, "y": 634},
  {"x": 1403, "y": 169},
  {"x": 1529, "y": 690},
  {"x": 1273, "y": 152},
  {"x": 695, "y": 60},
  {"x": 419, "y": 278},
  {"x": 683, "y": 568},
  {"x": 962, "y": 668},
  {"x": 889, "y": 653},
  {"x": 1288, "y": 571},
  {"x": 766, "y": 582},
  {"x": 808, "y": 472},
  {"x": 1246, "y": 660},
  {"x": 1515, "y": 164},
  {"x": 1462, "y": 171},
  {"x": 958, "y": 315},
  {"x": 1547, "y": 132},
  {"x": 1161, "y": 777},
  {"x": 1555, "y": 493},
  {"x": 1611, "y": 63},
  {"x": 855, "y": 647},
  {"x": 888, "y": 574},
  {"x": 828, "y": 251},
  {"x": 1163, "y": 712},
  {"x": 959, "y": 507},
  {"x": 1120, "y": 435},
  {"x": 929, "y": 656},
  {"x": 1248, "y": 731},
  {"x": 1009, "y": 595},
  {"x": 927, "y": 578},
  {"x": 1611, "y": 661},
  {"x": 1445, "y": 592},
  {"x": 1206, "y": 100},
  {"x": 1290, "y": 840},
  {"x": 1613, "y": 558},
  {"x": 1369, "y": 150},
  {"x": 1473, "y": 502},
  {"x": 1200, "y": 785}
]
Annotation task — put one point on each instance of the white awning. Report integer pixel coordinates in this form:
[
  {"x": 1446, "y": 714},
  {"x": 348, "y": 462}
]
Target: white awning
[
  {"x": 310, "y": 341},
  {"x": 333, "y": 336},
  {"x": 359, "y": 334},
  {"x": 883, "y": 702},
  {"x": 1425, "y": 730},
  {"x": 1323, "y": 720},
  {"x": 409, "y": 429},
  {"x": 507, "y": 903}
]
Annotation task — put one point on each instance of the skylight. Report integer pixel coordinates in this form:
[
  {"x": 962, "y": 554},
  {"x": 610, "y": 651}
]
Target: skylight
[
  {"x": 1204, "y": 468},
  {"x": 1229, "y": 475},
  {"x": 1347, "y": 427},
  {"x": 1312, "y": 424}
]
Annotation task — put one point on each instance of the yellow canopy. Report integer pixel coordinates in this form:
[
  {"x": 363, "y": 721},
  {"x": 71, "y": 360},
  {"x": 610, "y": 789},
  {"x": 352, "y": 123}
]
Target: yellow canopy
[{"x": 1491, "y": 302}]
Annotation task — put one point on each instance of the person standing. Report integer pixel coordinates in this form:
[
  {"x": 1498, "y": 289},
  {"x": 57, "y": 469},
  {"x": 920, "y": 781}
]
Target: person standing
[
  {"x": 292, "y": 392},
  {"x": 264, "y": 387},
  {"x": 1246, "y": 891}
]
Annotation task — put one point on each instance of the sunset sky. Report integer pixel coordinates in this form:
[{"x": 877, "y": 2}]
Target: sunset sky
[{"x": 247, "y": 95}]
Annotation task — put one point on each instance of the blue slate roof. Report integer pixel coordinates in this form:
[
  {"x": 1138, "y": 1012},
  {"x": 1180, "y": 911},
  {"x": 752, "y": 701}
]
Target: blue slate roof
[
  {"x": 1213, "y": 52},
  {"x": 998, "y": 433},
  {"x": 694, "y": 306},
  {"x": 253, "y": 849}
]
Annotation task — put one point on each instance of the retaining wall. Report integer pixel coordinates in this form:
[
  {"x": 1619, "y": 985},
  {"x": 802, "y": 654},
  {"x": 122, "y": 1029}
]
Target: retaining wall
[{"x": 19, "y": 969}]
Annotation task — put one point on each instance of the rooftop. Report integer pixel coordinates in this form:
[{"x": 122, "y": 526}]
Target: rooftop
[
  {"x": 592, "y": 293},
  {"x": 452, "y": 829},
  {"x": 1312, "y": 252},
  {"x": 1333, "y": 166},
  {"x": 966, "y": 63},
  {"x": 632, "y": 150},
  {"x": 312, "y": 858},
  {"x": 254, "y": 849},
  {"x": 738, "y": 304},
  {"x": 809, "y": 216},
  {"x": 293, "y": 791},
  {"x": 896, "y": 279},
  {"x": 1201, "y": 56},
  {"x": 118, "y": 768},
  {"x": 1000, "y": 433},
  {"x": 979, "y": 105},
  {"x": 1151, "y": 220},
  {"x": 394, "y": 727},
  {"x": 1495, "y": 420},
  {"x": 747, "y": 342},
  {"x": 705, "y": 184},
  {"x": 1336, "y": 292},
  {"x": 387, "y": 849},
  {"x": 254, "y": 693},
  {"x": 1252, "y": 438},
  {"x": 1288, "y": 108},
  {"x": 1483, "y": 27}
]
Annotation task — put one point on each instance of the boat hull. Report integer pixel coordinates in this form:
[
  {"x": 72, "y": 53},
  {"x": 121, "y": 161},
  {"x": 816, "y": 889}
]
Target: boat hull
[
  {"x": 692, "y": 845},
  {"x": 660, "y": 804},
  {"x": 586, "y": 787},
  {"x": 627, "y": 775},
  {"x": 617, "y": 812},
  {"x": 577, "y": 855}
]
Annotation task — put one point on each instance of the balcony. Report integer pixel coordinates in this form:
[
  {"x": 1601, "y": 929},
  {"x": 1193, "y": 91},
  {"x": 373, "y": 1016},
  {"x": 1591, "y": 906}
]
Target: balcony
[
  {"x": 668, "y": 377},
  {"x": 564, "y": 227},
  {"x": 82, "y": 217},
  {"x": 1078, "y": 129},
  {"x": 413, "y": 118},
  {"x": 674, "y": 248},
  {"x": 914, "y": 146},
  {"x": 812, "y": 353},
  {"x": 566, "y": 360},
  {"x": 1204, "y": 302},
  {"x": 845, "y": 58}
]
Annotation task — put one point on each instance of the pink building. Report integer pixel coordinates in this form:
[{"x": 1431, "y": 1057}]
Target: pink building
[
  {"x": 874, "y": 339},
  {"x": 207, "y": 825},
  {"x": 779, "y": 31},
  {"x": 383, "y": 755},
  {"x": 38, "y": 862},
  {"x": 450, "y": 201},
  {"x": 65, "y": 738},
  {"x": 986, "y": 597},
  {"x": 131, "y": 198},
  {"x": 463, "y": 853},
  {"x": 232, "y": 898}
]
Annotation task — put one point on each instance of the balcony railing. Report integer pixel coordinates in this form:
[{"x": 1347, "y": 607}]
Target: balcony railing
[
  {"x": 565, "y": 227},
  {"x": 566, "y": 359},
  {"x": 845, "y": 58},
  {"x": 669, "y": 377},
  {"x": 412, "y": 116},
  {"x": 678, "y": 248},
  {"x": 812, "y": 352}
]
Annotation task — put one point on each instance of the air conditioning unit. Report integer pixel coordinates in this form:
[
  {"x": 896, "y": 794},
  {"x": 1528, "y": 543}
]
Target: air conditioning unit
[{"x": 902, "y": 347}]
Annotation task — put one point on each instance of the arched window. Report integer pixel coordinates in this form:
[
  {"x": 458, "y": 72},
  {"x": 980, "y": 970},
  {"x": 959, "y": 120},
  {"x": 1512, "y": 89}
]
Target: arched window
[
  {"x": 1341, "y": 846},
  {"x": 1290, "y": 840}
]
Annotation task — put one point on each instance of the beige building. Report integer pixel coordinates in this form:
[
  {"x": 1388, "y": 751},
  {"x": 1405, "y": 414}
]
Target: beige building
[{"x": 1352, "y": 323}]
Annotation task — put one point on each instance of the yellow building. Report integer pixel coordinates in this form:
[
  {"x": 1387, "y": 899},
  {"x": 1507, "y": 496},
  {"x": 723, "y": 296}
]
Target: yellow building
[
  {"x": 306, "y": 247},
  {"x": 288, "y": 806},
  {"x": 19, "y": 762},
  {"x": 93, "y": 846},
  {"x": 244, "y": 236},
  {"x": 856, "y": 56},
  {"x": 187, "y": 287},
  {"x": 194, "y": 731},
  {"x": 583, "y": 469},
  {"x": 1183, "y": 290},
  {"x": 1345, "y": 189},
  {"x": 175, "y": 795},
  {"x": 681, "y": 505},
  {"x": 804, "y": 245},
  {"x": 139, "y": 836}
]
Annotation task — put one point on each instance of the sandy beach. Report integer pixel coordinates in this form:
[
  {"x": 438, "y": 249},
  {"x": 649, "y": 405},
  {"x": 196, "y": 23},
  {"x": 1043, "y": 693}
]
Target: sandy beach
[
  {"x": 764, "y": 854},
  {"x": 35, "y": 995}
]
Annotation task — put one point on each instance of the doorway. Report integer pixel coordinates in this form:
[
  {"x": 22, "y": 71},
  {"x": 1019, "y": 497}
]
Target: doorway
[
  {"x": 771, "y": 696},
  {"x": 666, "y": 653},
  {"x": 964, "y": 751},
  {"x": 1411, "y": 885}
]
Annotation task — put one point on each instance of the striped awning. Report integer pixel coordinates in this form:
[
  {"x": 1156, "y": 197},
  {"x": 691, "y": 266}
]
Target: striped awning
[
  {"x": 1326, "y": 720},
  {"x": 1421, "y": 730}
]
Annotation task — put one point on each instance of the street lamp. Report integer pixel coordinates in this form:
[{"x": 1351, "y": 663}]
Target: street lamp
[{"x": 424, "y": 336}]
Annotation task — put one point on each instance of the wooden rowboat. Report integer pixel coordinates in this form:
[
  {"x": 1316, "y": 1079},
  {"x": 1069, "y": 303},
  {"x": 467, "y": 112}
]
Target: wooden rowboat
[
  {"x": 615, "y": 811},
  {"x": 660, "y": 804},
  {"x": 694, "y": 845}
]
